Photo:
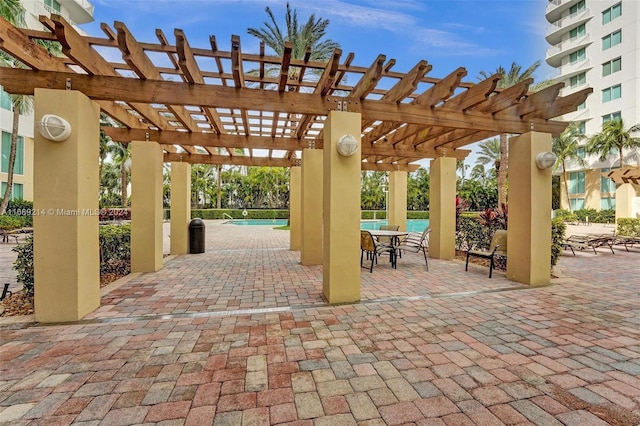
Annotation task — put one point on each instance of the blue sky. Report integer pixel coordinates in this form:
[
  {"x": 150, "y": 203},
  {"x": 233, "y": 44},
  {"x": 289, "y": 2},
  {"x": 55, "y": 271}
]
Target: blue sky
[{"x": 476, "y": 34}]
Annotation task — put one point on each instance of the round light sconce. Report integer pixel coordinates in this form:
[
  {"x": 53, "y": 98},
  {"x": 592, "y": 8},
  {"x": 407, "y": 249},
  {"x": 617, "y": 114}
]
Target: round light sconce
[
  {"x": 347, "y": 145},
  {"x": 54, "y": 128},
  {"x": 545, "y": 160}
]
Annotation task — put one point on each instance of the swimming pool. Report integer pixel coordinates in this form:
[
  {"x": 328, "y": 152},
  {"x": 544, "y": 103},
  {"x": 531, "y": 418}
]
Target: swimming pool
[{"x": 413, "y": 225}]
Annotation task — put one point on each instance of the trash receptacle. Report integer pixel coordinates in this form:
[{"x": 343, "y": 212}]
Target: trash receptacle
[{"x": 196, "y": 236}]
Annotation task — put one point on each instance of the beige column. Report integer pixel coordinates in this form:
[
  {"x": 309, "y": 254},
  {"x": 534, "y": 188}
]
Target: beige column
[
  {"x": 592, "y": 193},
  {"x": 442, "y": 208},
  {"x": 66, "y": 252},
  {"x": 311, "y": 224},
  {"x": 146, "y": 206},
  {"x": 529, "y": 233},
  {"x": 341, "y": 224},
  {"x": 398, "y": 199},
  {"x": 624, "y": 201},
  {"x": 180, "y": 207},
  {"x": 295, "y": 207}
]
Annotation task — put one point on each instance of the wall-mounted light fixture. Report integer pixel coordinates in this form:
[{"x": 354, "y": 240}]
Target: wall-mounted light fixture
[
  {"x": 54, "y": 128},
  {"x": 347, "y": 145},
  {"x": 545, "y": 160}
]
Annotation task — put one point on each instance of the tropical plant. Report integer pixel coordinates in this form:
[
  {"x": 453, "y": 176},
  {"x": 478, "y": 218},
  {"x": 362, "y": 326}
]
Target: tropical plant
[
  {"x": 614, "y": 137},
  {"x": 418, "y": 184},
  {"x": 565, "y": 147},
  {"x": 13, "y": 12},
  {"x": 307, "y": 37},
  {"x": 121, "y": 156},
  {"x": 509, "y": 78}
]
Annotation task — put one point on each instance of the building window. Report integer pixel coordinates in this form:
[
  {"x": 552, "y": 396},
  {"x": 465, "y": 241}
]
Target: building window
[
  {"x": 581, "y": 127},
  {"x": 581, "y": 152},
  {"x": 613, "y": 116},
  {"x": 578, "y": 31},
  {"x": 612, "y": 66},
  {"x": 576, "y": 182},
  {"x": 578, "y": 7},
  {"x": 17, "y": 192},
  {"x": 607, "y": 204},
  {"x": 581, "y": 106},
  {"x": 577, "y": 204},
  {"x": 611, "y": 40},
  {"x": 5, "y": 100},
  {"x": 612, "y": 13},
  {"x": 52, "y": 5},
  {"x": 606, "y": 184},
  {"x": 611, "y": 93},
  {"x": 578, "y": 55},
  {"x": 6, "y": 149},
  {"x": 578, "y": 80}
]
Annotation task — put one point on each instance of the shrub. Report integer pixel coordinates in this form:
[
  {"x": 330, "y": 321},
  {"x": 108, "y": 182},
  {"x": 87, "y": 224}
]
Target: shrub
[
  {"x": 24, "y": 265},
  {"x": 21, "y": 210},
  {"x": 565, "y": 215},
  {"x": 558, "y": 229},
  {"x": 628, "y": 226},
  {"x": 115, "y": 255},
  {"x": 110, "y": 213},
  {"x": 7, "y": 223}
]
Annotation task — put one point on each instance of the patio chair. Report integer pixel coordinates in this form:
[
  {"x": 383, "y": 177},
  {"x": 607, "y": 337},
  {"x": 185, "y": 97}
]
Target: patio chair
[
  {"x": 498, "y": 247},
  {"x": 387, "y": 240},
  {"x": 368, "y": 245},
  {"x": 415, "y": 242},
  {"x": 591, "y": 241}
]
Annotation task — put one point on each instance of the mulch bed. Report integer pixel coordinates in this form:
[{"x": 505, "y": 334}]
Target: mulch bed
[{"x": 20, "y": 303}]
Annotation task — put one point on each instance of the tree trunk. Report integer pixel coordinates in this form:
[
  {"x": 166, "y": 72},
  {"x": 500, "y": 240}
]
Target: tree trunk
[
  {"x": 566, "y": 185},
  {"x": 219, "y": 187},
  {"x": 123, "y": 184},
  {"x": 12, "y": 160},
  {"x": 621, "y": 158},
  {"x": 502, "y": 171}
]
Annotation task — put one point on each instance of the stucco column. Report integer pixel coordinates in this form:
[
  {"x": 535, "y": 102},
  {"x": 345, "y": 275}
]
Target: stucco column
[
  {"x": 442, "y": 208},
  {"x": 146, "y": 206},
  {"x": 341, "y": 224},
  {"x": 398, "y": 199},
  {"x": 529, "y": 232},
  {"x": 295, "y": 207},
  {"x": 624, "y": 201},
  {"x": 65, "y": 174},
  {"x": 180, "y": 207},
  {"x": 311, "y": 224}
]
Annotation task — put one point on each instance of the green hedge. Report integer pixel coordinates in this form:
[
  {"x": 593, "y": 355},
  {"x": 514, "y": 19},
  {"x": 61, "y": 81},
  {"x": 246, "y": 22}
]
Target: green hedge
[
  {"x": 115, "y": 255},
  {"x": 602, "y": 216},
  {"x": 8, "y": 223},
  {"x": 628, "y": 226},
  {"x": 211, "y": 214},
  {"x": 558, "y": 229},
  {"x": 382, "y": 214}
]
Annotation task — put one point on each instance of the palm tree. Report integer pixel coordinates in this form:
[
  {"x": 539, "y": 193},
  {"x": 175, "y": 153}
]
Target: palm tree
[
  {"x": 121, "y": 154},
  {"x": 303, "y": 37},
  {"x": 566, "y": 147},
  {"x": 12, "y": 11},
  {"x": 614, "y": 137},
  {"x": 490, "y": 153},
  {"x": 509, "y": 78}
]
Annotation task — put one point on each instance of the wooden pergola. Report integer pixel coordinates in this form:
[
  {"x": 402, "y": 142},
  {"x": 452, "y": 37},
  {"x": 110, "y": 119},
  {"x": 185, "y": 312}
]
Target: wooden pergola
[{"x": 206, "y": 105}]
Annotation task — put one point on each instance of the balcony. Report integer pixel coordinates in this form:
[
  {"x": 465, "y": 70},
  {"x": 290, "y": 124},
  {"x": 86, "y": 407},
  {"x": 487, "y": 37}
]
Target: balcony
[
  {"x": 555, "y": 8},
  {"x": 568, "y": 70},
  {"x": 556, "y": 53},
  {"x": 556, "y": 30},
  {"x": 80, "y": 11}
]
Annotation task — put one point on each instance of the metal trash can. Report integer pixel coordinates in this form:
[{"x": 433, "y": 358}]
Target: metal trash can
[{"x": 196, "y": 236}]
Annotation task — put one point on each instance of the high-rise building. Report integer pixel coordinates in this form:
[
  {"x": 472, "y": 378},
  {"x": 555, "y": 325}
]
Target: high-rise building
[
  {"x": 596, "y": 43},
  {"x": 74, "y": 11}
]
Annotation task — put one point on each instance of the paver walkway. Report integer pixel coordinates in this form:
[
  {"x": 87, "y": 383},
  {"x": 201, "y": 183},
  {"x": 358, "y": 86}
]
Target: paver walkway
[{"x": 240, "y": 335}]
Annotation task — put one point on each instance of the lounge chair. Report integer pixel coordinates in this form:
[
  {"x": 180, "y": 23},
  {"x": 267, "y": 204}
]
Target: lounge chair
[
  {"x": 415, "y": 242},
  {"x": 369, "y": 245},
  {"x": 592, "y": 241},
  {"x": 498, "y": 247}
]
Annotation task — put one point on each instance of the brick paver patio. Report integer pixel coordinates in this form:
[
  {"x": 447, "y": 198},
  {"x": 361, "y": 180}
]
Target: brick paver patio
[{"x": 241, "y": 335}]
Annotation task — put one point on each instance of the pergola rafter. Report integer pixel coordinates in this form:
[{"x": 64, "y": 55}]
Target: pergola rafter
[{"x": 214, "y": 103}]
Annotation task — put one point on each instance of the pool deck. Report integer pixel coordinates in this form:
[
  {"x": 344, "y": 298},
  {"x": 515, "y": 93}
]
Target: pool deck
[{"x": 241, "y": 335}]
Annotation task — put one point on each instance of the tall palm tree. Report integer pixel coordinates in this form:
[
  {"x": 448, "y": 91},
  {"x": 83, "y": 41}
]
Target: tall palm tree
[
  {"x": 490, "y": 153},
  {"x": 121, "y": 155},
  {"x": 614, "y": 137},
  {"x": 12, "y": 11},
  {"x": 566, "y": 147},
  {"x": 509, "y": 78},
  {"x": 303, "y": 37}
]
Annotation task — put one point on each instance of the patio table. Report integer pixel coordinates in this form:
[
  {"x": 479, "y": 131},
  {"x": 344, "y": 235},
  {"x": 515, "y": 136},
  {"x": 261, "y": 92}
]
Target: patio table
[{"x": 394, "y": 235}]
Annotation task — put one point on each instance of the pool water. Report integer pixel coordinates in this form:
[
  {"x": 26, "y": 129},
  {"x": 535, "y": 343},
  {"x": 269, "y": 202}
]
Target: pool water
[{"x": 413, "y": 225}]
